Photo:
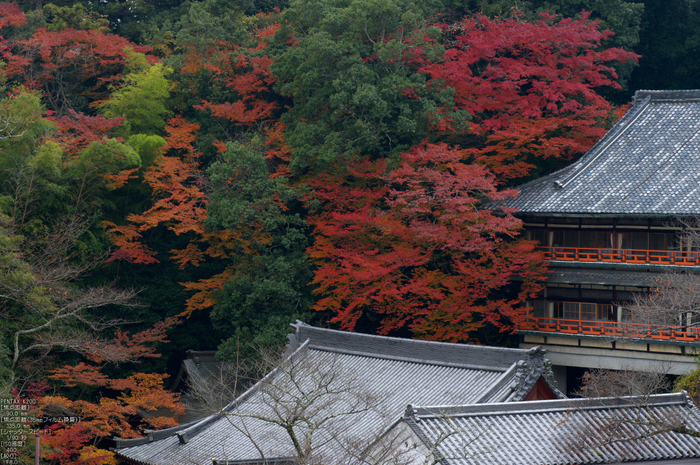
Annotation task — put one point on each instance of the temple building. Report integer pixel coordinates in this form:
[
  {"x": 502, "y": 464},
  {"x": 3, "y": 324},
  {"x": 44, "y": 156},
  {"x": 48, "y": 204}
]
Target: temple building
[
  {"x": 645, "y": 430},
  {"x": 337, "y": 392},
  {"x": 611, "y": 225}
]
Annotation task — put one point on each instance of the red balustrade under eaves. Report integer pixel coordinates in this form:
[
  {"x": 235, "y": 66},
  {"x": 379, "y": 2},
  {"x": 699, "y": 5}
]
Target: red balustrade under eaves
[{"x": 652, "y": 257}]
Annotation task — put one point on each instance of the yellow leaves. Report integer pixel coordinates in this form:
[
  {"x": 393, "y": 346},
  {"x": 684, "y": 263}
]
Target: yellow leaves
[
  {"x": 93, "y": 456},
  {"x": 58, "y": 404},
  {"x": 147, "y": 393}
]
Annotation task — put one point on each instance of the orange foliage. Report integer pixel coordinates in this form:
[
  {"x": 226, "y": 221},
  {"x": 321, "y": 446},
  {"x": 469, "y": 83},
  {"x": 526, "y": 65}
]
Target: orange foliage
[
  {"x": 117, "y": 180},
  {"x": 181, "y": 136},
  {"x": 126, "y": 239},
  {"x": 179, "y": 203},
  {"x": 190, "y": 255},
  {"x": 204, "y": 291},
  {"x": 121, "y": 407}
]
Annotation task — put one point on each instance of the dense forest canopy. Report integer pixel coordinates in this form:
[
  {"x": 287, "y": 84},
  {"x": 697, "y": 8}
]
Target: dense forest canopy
[{"x": 208, "y": 172}]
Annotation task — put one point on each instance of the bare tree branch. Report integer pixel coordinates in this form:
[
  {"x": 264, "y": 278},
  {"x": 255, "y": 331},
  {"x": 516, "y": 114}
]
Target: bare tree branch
[{"x": 54, "y": 312}]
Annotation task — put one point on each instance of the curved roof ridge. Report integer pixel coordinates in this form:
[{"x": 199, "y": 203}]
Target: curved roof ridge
[
  {"x": 501, "y": 408},
  {"x": 189, "y": 430},
  {"x": 688, "y": 94},
  {"x": 645, "y": 165},
  {"x": 376, "y": 363},
  {"x": 413, "y": 349},
  {"x": 187, "y": 433},
  {"x": 661, "y": 165}
]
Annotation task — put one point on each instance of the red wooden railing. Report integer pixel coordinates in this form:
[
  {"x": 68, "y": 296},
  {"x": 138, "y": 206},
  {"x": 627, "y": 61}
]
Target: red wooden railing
[
  {"x": 611, "y": 329},
  {"x": 656, "y": 257}
]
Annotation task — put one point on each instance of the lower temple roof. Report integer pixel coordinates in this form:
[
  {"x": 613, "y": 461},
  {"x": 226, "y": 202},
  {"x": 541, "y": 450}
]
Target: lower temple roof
[
  {"x": 369, "y": 380},
  {"x": 561, "y": 432}
]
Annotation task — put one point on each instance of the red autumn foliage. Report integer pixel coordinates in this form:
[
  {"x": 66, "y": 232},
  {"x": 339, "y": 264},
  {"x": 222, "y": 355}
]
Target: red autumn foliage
[
  {"x": 129, "y": 347},
  {"x": 251, "y": 80},
  {"x": 76, "y": 131},
  {"x": 247, "y": 72},
  {"x": 129, "y": 247},
  {"x": 416, "y": 249},
  {"x": 11, "y": 15},
  {"x": 69, "y": 65},
  {"x": 530, "y": 88}
]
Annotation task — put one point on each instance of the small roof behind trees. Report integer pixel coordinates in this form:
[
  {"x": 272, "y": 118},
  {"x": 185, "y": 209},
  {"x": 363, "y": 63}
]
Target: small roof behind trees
[
  {"x": 555, "y": 432},
  {"x": 645, "y": 165},
  {"x": 361, "y": 384},
  {"x": 198, "y": 367}
]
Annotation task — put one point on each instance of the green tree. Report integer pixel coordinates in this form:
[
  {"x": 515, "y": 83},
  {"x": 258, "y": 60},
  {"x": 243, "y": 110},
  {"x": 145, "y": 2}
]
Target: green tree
[
  {"x": 268, "y": 285},
  {"x": 350, "y": 75},
  {"x": 75, "y": 16},
  {"x": 142, "y": 99},
  {"x": 670, "y": 41}
]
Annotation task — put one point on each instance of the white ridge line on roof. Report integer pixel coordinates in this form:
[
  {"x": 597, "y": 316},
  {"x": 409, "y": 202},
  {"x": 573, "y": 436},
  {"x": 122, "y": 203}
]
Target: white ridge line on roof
[
  {"x": 437, "y": 414},
  {"x": 495, "y": 387},
  {"x": 240, "y": 399}
]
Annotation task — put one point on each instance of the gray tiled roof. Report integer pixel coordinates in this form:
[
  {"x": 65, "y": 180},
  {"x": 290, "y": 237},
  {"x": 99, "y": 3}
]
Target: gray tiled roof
[
  {"x": 394, "y": 371},
  {"x": 647, "y": 164},
  {"x": 569, "y": 431}
]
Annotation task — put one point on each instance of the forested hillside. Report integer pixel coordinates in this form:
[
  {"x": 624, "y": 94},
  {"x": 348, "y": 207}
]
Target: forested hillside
[{"x": 183, "y": 175}]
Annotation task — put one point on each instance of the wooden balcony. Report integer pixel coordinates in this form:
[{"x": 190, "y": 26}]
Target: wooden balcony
[
  {"x": 611, "y": 329},
  {"x": 651, "y": 257}
]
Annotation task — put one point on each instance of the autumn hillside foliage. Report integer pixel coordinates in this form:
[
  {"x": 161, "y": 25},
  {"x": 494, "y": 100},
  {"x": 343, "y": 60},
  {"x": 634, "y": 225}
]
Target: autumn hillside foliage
[{"x": 230, "y": 169}]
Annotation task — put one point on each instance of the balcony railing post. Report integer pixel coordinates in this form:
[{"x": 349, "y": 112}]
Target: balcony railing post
[
  {"x": 662, "y": 257},
  {"x": 610, "y": 328}
]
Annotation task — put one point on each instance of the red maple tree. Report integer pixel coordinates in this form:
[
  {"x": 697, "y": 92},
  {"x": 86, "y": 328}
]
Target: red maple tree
[
  {"x": 71, "y": 68},
  {"x": 530, "y": 88},
  {"x": 415, "y": 248}
]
